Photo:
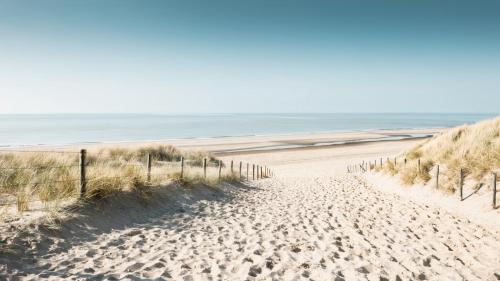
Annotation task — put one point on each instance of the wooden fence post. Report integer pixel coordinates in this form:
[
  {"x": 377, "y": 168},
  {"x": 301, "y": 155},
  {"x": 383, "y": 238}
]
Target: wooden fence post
[
  {"x": 232, "y": 170},
  {"x": 182, "y": 167},
  {"x": 220, "y": 168},
  {"x": 205, "y": 167},
  {"x": 240, "y": 169},
  {"x": 148, "y": 165},
  {"x": 253, "y": 171},
  {"x": 83, "y": 181},
  {"x": 494, "y": 203},
  {"x": 405, "y": 162},
  {"x": 261, "y": 176},
  {"x": 461, "y": 184},
  {"x": 380, "y": 162},
  {"x": 437, "y": 177},
  {"x": 395, "y": 163},
  {"x": 419, "y": 165},
  {"x": 247, "y": 169}
]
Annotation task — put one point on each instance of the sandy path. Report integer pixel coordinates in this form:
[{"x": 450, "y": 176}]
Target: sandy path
[{"x": 289, "y": 228}]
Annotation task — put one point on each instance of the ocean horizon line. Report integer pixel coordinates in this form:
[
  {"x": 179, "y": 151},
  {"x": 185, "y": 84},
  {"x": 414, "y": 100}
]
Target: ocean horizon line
[{"x": 61, "y": 129}]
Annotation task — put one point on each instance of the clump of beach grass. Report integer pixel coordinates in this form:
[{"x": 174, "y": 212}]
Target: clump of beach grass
[
  {"x": 47, "y": 177},
  {"x": 473, "y": 148}
]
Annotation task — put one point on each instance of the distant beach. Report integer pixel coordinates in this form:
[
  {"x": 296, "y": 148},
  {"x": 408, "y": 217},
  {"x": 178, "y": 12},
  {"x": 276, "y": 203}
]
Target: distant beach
[{"x": 62, "y": 129}]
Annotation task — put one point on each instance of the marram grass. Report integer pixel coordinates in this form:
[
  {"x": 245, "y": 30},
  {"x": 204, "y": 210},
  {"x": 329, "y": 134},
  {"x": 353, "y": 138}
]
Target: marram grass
[
  {"x": 473, "y": 148},
  {"x": 49, "y": 177}
]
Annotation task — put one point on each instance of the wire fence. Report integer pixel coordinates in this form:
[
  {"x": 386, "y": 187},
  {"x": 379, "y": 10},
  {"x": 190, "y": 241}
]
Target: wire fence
[
  {"x": 368, "y": 166},
  {"x": 23, "y": 180}
]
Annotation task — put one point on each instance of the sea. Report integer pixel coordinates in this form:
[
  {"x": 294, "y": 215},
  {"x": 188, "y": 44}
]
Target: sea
[{"x": 17, "y": 130}]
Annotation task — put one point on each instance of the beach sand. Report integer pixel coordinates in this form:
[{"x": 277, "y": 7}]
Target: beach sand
[{"x": 311, "y": 221}]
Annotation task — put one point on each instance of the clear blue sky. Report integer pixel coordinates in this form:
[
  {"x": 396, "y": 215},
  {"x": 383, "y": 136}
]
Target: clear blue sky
[{"x": 249, "y": 56}]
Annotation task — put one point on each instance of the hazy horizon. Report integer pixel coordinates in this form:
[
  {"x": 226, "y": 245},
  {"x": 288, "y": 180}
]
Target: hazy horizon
[{"x": 60, "y": 129}]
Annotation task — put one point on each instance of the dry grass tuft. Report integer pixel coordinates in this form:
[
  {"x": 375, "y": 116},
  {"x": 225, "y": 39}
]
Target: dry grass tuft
[
  {"x": 49, "y": 177},
  {"x": 473, "y": 148}
]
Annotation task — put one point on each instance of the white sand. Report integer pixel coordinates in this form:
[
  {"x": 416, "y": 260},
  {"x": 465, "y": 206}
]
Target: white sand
[{"x": 311, "y": 221}]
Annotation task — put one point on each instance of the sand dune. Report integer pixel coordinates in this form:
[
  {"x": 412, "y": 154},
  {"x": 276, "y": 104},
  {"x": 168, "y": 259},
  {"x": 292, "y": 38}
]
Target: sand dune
[{"x": 310, "y": 222}]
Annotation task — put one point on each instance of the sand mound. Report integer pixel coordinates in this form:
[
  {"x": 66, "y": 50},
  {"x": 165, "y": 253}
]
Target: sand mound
[{"x": 323, "y": 228}]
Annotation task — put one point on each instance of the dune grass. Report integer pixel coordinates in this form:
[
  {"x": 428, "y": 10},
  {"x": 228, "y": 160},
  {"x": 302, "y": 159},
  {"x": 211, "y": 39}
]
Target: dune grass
[
  {"x": 473, "y": 148},
  {"x": 48, "y": 177}
]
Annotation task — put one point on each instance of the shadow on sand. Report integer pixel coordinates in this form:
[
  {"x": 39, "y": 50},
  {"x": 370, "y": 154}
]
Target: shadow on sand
[{"x": 166, "y": 206}]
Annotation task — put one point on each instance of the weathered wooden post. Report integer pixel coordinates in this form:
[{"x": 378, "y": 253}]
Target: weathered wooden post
[
  {"x": 148, "y": 165},
  {"x": 247, "y": 169},
  {"x": 182, "y": 167},
  {"x": 232, "y": 170},
  {"x": 205, "y": 167},
  {"x": 253, "y": 171},
  {"x": 257, "y": 171},
  {"x": 380, "y": 162},
  {"x": 83, "y": 181},
  {"x": 405, "y": 162},
  {"x": 220, "y": 168},
  {"x": 437, "y": 177},
  {"x": 240, "y": 169},
  {"x": 419, "y": 165},
  {"x": 494, "y": 203},
  {"x": 461, "y": 184},
  {"x": 395, "y": 162},
  {"x": 261, "y": 175}
]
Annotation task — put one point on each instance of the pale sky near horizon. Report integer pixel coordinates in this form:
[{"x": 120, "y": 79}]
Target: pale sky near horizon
[{"x": 249, "y": 56}]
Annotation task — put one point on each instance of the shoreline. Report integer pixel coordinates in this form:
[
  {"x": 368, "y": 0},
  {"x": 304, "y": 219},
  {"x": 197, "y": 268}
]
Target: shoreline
[
  {"x": 247, "y": 143},
  {"x": 315, "y": 146}
]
